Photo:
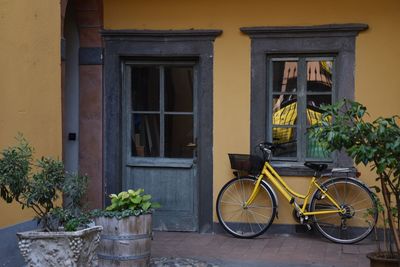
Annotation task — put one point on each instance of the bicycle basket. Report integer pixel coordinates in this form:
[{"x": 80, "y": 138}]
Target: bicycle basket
[{"x": 248, "y": 163}]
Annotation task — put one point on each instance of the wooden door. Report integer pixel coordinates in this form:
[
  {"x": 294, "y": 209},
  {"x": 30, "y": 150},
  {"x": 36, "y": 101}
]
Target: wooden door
[{"x": 159, "y": 139}]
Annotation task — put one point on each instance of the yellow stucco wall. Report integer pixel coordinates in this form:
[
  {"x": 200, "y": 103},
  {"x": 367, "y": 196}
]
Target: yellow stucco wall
[
  {"x": 30, "y": 82},
  {"x": 377, "y": 56}
]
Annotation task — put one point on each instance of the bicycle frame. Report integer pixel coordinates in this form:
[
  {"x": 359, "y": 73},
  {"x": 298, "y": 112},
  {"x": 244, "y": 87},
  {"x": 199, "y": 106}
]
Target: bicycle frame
[{"x": 269, "y": 172}]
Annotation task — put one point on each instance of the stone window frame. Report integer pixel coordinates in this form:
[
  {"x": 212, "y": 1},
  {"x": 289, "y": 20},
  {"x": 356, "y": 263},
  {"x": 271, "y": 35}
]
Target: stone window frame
[{"x": 336, "y": 39}]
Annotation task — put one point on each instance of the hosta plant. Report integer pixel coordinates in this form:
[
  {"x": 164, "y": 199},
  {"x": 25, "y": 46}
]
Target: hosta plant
[{"x": 128, "y": 203}]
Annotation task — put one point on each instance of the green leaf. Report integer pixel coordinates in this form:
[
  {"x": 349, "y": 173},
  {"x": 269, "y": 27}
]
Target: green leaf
[
  {"x": 146, "y": 206},
  {"x": 136, "y": 200},
  {"x": 155, "y": 205},
  {"x": 146, "y": 197}
]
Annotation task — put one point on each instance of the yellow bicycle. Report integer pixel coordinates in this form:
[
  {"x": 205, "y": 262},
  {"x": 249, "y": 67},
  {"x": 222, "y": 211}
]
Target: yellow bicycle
[{"x": 342, "y": 208}]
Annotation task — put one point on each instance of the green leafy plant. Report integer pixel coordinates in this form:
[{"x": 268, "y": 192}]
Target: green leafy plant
[
  {"x": 37, "y": 184},
  {"x": 376, "y": 143},
  {"x": 128, "y": 203}
]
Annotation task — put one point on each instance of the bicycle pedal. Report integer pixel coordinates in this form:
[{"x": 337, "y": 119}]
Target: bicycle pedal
[{"x": 308, "y": 227}]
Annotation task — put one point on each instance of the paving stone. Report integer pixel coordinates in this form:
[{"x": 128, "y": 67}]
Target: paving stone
[
  {"x": 269, "y": 250},
  {"x": 179, "y": 262}
]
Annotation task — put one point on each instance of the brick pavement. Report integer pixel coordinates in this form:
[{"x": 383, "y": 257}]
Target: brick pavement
[{"x": 269, "y": 250}]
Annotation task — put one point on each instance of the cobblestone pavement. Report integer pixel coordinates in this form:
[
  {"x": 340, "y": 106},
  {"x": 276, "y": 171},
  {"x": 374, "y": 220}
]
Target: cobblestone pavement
[
  {"x": 175, "y": 249},
  {"x": 179, "y": 262}
]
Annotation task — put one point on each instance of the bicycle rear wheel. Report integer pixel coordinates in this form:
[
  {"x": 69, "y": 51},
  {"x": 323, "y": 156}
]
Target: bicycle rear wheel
[
  {"x": 241, "y": 221},
  {"x": 359, "y": 204}
]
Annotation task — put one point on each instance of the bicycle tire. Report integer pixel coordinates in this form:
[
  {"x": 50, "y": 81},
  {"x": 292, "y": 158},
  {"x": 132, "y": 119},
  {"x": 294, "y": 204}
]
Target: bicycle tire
[
  {"x": 240, "y": 221},
  {"x": 360, "y": 215}
]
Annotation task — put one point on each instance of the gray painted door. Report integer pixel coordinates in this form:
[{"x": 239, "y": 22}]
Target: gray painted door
[{"x": 159, "y": 147}]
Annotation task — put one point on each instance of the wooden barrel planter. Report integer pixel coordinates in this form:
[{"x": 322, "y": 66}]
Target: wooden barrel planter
[
  {"x": 125, "y": 242},
  {"x": 379, "y": 260}
]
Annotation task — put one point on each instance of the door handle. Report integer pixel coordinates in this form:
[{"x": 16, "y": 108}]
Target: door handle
[{"x": 191, "y": 145}]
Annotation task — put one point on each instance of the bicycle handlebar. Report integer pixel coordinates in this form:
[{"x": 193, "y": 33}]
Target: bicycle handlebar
[
  {"x": 267, "y": 149},
  {"x": 268, "y": 146}
]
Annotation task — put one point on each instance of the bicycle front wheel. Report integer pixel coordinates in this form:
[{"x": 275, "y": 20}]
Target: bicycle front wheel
[
  {"x": 245, "y": 221},
  {"x": 359, "y": 214}
]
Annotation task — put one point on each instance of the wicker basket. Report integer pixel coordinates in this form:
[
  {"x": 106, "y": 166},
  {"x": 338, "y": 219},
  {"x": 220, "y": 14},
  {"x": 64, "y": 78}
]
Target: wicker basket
[{"x": 247, "y": 163}]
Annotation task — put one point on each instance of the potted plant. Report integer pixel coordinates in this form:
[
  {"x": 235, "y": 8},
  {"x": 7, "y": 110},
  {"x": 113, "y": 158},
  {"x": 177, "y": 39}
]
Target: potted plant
[
  {"x": 127, "y": 231},
  {"x": 63, "y": 239},
  {"x": 376, "y": 144}
]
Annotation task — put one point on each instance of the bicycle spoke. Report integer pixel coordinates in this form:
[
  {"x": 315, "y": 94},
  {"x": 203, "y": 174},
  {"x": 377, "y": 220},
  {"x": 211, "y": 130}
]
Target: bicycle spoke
[
  {"x": 248, "y": 221},
  {"x": 231, "y": 203},
  {"x": 231, "y": 195},
  {"x": 242, "y": 221},
  {"x": 259, "y": 225},
  {"x": 258, "y": 206},
  {"x": 265, "y": 216},
  {"x": 350, "y": 226}
]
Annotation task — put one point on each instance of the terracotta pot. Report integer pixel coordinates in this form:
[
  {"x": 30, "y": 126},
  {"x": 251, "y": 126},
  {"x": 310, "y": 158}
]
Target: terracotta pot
[
  {"x": 72, "y": 249},
  {"x": 378, "y": 260}
]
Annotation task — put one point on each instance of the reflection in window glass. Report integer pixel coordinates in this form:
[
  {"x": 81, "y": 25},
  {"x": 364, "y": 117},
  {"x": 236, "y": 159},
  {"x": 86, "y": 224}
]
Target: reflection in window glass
[
  {"x": 314, "y": 111},
  {"x": 145, "y": 135},
  {"x": 178, "y": 136},
  {"x": 145, "y": 88},
  {"x": 284, "y": 107},
  {"x": 286, "y": 138},
  {"x": 300, "y": 86},
  {"x": 316, "y": 150},
  {"x": 179, "y": 89},
  {"x": 284, "y": 110},
  {"x": 319, "y": 76},
  {"x": 284, "y": 76}
]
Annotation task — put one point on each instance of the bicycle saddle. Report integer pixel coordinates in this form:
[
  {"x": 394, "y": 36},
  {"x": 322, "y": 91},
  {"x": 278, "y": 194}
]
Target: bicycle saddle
[{"x": 318, "y": 167}]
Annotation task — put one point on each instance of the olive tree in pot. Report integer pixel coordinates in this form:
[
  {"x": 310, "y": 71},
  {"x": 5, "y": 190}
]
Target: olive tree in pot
[
  {"x": 376, "y": 144},
  {"x": 63, "y": 237},
  {"x": 127, "y": 229}
]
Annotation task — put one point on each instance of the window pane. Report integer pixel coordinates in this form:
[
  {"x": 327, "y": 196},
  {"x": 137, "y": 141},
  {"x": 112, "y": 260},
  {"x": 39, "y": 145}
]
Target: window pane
[
  {"x": 284, "y": 76},
  {"x": 314, "y": 102},
  {"x": 145, "y": 136},
  {"x": 286, "y": 137},
  {"x": 178, "y": 136},
  {"x": 145, "y": 88},
  {"x": 314, "y": 115},
  {"x": 179, "y": 89},
  {"x": 284, "y": 110},
  {"x": 319, "y": 76},
  {"x": 315, "y": 150}
]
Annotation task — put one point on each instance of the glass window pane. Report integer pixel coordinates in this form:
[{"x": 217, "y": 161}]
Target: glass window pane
[
  {"x": 284, "y": 110},
  {"x": 315, "y": 150},
  {"x": 319, "y": 76},
  {"x": 145, "y": 137},
  {"x": 145, "y": 88},
  {"x": 314, "y": 112},
  {"x": 284, "y": 76},
  {"x": 286, "y": 138},
  {"x": 179, "y": 89},
  {"x": 179, "y": 136},
  {"x": 281, "y": 135}
]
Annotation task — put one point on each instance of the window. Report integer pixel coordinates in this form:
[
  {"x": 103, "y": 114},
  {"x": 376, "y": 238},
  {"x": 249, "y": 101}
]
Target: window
[
  {"x": 161, "y": 113},
  {"x": 293, "y": 71},
  {"x": 296, "y": 88}
]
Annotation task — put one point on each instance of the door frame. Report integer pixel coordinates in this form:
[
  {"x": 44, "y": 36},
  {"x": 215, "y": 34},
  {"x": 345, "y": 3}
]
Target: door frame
[{"x": 185, "y": 44}]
